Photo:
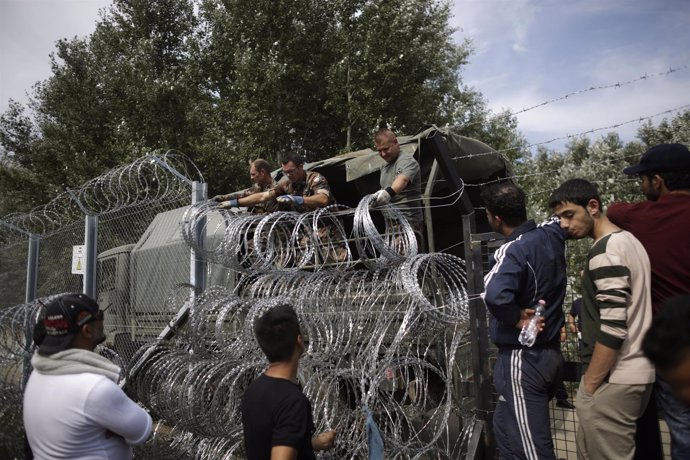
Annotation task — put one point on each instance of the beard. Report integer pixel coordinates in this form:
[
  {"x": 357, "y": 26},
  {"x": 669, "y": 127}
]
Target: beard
[
  {"x": 651, "y": 194},
  {"x": 100, "y": 339}
]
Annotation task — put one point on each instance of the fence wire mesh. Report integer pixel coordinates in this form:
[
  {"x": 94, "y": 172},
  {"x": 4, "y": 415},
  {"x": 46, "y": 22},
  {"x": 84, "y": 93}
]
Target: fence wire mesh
[
  {"x": 126, "y": 200},
  {"x": 387, "y": 327},
  {"x": 13, "y": 263}
]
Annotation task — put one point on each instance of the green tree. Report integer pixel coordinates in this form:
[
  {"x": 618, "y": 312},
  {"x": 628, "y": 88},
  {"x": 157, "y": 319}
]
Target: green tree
[
  {"x": 263, "y": 65},
  {"x": 675, "y": 130},
  {"x": 320, "y": 76},
  {"x": 17, "y": 136},
  {"x": 112, "y": 96},
  {"x": 395, "y": 64},
  {"x": 225, "y": 81},
  {"x": 143, "y": 52}
]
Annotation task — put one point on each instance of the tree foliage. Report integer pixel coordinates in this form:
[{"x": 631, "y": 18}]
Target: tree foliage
[
  {"x": 111, "y": 97},
  {"x": 600, "y": 161},
  {"x": 226, "y": 81}
]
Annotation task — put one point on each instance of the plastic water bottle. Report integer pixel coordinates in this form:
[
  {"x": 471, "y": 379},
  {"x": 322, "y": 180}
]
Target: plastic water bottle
[{"x": 529, "y": 332}]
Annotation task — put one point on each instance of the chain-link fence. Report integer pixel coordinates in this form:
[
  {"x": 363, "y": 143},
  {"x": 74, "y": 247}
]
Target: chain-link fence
[{"x": 37, "y": 260}]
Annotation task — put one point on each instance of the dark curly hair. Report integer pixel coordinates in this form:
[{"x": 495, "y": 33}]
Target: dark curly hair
[{"x": 507, "y": 201}]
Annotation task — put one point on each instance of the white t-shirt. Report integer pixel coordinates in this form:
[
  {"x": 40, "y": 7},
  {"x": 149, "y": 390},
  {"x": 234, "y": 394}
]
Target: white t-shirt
[{"x": 66, "y": 417}]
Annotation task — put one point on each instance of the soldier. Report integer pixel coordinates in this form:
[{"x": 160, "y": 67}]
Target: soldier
[
  {"x": 401, "y": 183},
  {"x": 298, "y": 190},
  {"x": 260, "y": 175}
]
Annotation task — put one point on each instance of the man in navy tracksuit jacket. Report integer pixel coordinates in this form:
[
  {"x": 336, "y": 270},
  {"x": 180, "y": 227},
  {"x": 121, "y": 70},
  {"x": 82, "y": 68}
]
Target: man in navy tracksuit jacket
[{"x": 530, "y": 266}]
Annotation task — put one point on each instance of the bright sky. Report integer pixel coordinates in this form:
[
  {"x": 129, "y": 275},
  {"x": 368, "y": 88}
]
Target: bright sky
[
  {"x": 29, "y": 30},
  {"x": 526, "y": 52}
]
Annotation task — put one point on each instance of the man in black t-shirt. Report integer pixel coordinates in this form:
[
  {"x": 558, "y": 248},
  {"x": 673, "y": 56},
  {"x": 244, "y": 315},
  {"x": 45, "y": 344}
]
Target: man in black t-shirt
[{"x": 276, "y": 415}]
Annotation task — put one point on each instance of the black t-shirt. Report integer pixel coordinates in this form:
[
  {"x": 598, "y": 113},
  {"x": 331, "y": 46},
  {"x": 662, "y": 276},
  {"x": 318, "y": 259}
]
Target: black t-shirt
[{"x": 275, "y": 412}]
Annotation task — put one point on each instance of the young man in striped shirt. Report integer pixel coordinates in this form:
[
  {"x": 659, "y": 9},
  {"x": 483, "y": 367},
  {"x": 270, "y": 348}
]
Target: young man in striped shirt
[{"x": 616, "y": 313}]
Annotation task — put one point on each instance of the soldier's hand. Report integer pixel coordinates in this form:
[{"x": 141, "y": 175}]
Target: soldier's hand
[
  {"x": 232, "y": 203},
  {"x": 219, "y": 198},
  {"x": 383, "y": 196},
  {"x": 294, "y": 200}
]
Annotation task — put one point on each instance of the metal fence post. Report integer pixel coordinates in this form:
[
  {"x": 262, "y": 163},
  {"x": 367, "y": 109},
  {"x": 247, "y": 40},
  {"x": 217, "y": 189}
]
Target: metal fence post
[
  {"x": 90, "y": 247},
  {"x": 197, "y": 273},
  {"x": 91, "y": 250},
  {"x": 32, "y": 267},
  {"x": 478, "y": 321},
  {"x": 30, "y": 295}
]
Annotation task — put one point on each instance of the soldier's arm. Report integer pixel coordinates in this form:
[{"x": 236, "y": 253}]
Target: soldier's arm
[
  {"x": 317, "y": 200},
  {"x": 257, "y": 198},
  {"x": 400, "y": 183}
]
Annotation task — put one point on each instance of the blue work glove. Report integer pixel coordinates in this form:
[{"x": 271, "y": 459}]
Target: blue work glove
[
  {"x": 291, "y": 199},
  {"x": 229, "y": 204}
]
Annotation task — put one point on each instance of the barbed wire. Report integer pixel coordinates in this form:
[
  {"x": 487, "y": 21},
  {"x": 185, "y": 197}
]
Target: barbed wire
[
  {"x": 289, "y": 241},
  {"x": 149, "y": 180},
  {"x": 571, "y": 136},
  {"x": 600, "y": 87},
  {"x": 617, "y": 125},
  {"x": 384, "y": 324},
  {"x": 384, "y": 340}
]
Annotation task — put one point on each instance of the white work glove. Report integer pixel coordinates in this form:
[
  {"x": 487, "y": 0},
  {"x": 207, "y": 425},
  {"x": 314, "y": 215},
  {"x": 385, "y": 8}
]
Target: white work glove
[{"x": 383, "y": 196}]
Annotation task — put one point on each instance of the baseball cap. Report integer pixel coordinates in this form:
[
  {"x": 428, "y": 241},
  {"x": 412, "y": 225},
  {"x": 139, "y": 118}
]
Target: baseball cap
[
  {"x": 61, "y": 321},
  {"x": 662, "y": 158}
]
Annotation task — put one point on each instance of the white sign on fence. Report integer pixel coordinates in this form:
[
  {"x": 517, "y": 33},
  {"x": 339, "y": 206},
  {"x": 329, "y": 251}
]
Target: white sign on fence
[{"x": 78, "y": 259}]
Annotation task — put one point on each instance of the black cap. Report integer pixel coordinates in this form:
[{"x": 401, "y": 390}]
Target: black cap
[
  {"x": 61, "y": 321},
  {"x": 662, "y": 158}
]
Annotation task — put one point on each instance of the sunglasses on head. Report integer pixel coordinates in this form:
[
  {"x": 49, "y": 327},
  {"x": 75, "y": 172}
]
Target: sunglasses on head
[{"x": 89, "y": 318}]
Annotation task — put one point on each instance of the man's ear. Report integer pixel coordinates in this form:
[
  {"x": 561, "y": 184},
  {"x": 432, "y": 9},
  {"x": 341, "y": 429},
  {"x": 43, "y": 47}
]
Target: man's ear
[
  {"x": 658, "y": 182},
  {"x": 489, "y": 215},
  {"x": 593, "y": 207},
  {"x": 300, "y": 344},
  {"x": 86, "y": 330}
]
